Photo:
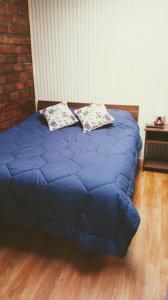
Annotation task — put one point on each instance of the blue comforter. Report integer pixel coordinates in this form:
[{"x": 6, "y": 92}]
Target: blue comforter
[{"x": 74, "y": 184}]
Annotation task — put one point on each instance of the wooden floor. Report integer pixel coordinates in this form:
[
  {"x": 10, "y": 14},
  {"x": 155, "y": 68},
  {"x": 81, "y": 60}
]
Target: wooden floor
[{"x": 39, "y": 267}]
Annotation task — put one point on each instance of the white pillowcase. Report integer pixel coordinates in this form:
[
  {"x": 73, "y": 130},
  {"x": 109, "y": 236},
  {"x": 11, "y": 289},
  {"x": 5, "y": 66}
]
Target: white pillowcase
[
  {"x": 58, "y": 116},
  {"x": 93, "y": 116}
]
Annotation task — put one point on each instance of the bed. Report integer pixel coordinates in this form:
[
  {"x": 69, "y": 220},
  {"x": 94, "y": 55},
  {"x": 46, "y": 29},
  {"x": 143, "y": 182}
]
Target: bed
[{"x": 67, "y": 183}]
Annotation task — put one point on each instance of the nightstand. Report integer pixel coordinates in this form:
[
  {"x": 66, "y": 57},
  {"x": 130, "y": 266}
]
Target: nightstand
[{"x": 156, "y": 149}]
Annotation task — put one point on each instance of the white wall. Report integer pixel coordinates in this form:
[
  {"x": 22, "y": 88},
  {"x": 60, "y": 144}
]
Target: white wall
[{"x": 112, "y": 51}]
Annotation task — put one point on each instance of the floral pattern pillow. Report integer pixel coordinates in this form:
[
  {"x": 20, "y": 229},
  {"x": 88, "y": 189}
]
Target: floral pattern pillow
[
  {"x": 58, "y": 116},
  {"x": 93, "y": 116}
]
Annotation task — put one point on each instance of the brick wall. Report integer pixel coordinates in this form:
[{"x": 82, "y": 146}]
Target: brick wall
[{"x": 16, "y": 77}]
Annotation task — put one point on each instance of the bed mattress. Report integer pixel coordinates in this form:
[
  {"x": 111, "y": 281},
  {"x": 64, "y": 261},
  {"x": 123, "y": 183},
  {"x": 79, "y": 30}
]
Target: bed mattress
[{"x": 73, "y": 184}]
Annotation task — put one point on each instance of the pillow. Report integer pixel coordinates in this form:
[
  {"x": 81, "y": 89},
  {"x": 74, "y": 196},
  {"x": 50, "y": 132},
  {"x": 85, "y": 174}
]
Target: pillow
[
  {"x": 93, "y": 116},
  {"x": 58, "y": 116}
]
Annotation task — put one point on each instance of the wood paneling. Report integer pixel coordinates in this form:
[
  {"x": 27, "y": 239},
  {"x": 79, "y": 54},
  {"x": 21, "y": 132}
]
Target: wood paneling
[
  {"x": 34, "y": 266},
  {"x": 133, "y": 109}
]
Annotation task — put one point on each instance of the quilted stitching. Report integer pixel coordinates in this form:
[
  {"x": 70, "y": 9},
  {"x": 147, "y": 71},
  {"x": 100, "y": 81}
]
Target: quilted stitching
[{"x": 69, "y": 183}]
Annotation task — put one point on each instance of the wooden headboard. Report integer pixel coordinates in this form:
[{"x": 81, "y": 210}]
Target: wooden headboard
[{"x": 132, "y": 109}]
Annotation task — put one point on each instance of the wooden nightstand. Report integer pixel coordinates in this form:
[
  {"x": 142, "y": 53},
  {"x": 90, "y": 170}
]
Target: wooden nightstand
[{"x": 156, "y": 149}]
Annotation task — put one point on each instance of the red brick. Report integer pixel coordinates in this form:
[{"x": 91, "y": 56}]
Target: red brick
[
  {"x": 21, "y": 20},
  {"x": 4, "y": 117},
  {"x": 20, "y": 3},
  {"x": 23, "y": 11},
  {"x": 3, "y": 98},
  {"x": 24, "y": 85},
  {"x": 22, "y": 67},
  {"x": 12, "y": 122},
  {"x": 23, "y": 102},
  {"x": 7, "y": 107},
  {"x": 7, "y": 68},
  {"x": 20, "y": 86},
  {"x": 10, "y": 115},
  {"x": 15, "y": 113},
  {"x": 27, "y": 100},
  {"x": 17, "y": 2},
  {"x": 2, "y": 6},
  {"x": 14, "y": 28},
  {"x": 4, "y": 59},
  {"x": 27, "y": 93},
  {"x": 3, "y": 79},
  {"x": 2, "y": 107},
  {"x": 11, "y": 87},
  {"x": 22, "y": 49},
  {"x": 13, "y": 9},
  {"x": 2, "y": 71},
  {"x": 13, "y": 77},
  {"x": 4, "y": 126},
  {"x": 21, "y": 94},
  {"x": 3, "y": 28},
  {"x": 16, "y": 80},
  {"x": 7, "y": 39},
  {"x": 26, "y": 75},
  {"x": 22, "y": 40},
  {"x": 24, "y": 58},
  {"x": 1, "y": 90},
  {"x": 5, "y": 18},
  {"x": 14, "y": 96},
  {"x": 6, "y": 48}
]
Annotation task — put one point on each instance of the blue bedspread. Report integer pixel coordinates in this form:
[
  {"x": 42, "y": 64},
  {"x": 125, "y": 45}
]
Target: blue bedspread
[{"x": 70, "y": 183}]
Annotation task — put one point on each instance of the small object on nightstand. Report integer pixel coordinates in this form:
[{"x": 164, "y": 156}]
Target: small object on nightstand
[
  {"x": 154, "y": 126},
  {"x": 156, "y": 148},
  {"x": 159, "y": 121}
]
